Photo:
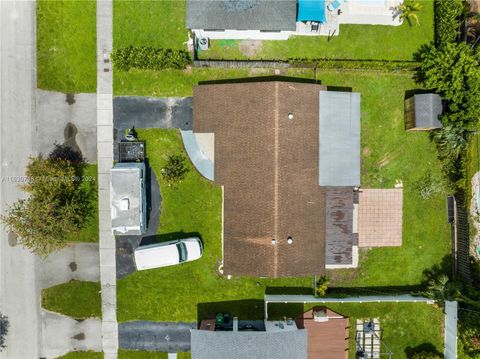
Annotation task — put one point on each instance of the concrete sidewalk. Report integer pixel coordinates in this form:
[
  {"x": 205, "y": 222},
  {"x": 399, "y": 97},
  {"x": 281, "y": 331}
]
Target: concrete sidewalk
[
  {"x": 77, "y": 261},
  {"x": 62, "y": 334},
  {"x": 105, "y": 162}
]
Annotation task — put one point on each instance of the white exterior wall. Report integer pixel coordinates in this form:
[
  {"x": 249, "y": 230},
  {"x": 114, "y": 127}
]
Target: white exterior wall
[{"x": 243, "y": 35}]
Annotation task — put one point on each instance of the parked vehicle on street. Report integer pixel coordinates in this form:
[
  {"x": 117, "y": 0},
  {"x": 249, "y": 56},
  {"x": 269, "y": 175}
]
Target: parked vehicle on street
[{"x": 168, "y": 253}]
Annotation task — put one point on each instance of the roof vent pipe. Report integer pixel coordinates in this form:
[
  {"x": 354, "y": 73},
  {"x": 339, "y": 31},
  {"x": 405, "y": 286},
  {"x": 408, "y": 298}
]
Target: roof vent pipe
[
  {"x": 290, "y": 116},
  {"x": 289, "y": 240}
]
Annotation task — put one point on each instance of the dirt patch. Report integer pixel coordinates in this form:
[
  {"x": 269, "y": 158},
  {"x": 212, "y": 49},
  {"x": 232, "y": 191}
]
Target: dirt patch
[
  {"x": 366, "y": 151},
  {"x": 250, "y": 47},
  {"x": 474, "y": 6},
  {"x": 474, "y": 216}
]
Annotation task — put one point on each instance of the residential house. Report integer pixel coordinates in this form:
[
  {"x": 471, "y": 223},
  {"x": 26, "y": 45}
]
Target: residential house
[
  {"x": 280, "y": 19},
  {"x": 287, "y": 155},
  {"x": 318, "y": 333}
]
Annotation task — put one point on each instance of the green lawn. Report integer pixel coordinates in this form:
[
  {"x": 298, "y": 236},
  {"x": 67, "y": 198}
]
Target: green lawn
[
  {"x": 149, "y": 23},
  {"x": 173, "y": 83},
  {"x": 77, "y": 299},
  {"x": 66, "y": 45},
  {"x": 82, "y": 355},
  {"x": 390, "y": 153},
  {"x": 405, "y": 326},
  {"x": 90, "y": 232}
]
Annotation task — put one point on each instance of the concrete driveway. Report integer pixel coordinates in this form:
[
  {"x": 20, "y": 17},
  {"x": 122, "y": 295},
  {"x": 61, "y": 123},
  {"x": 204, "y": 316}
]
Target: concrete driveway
[
  {"x": 125, "y": 245},
  {"x": 67, "y": 119},
  {"x": 77, "y": 261},
  {"x": 155, "y": 336},
  {"x": 61, "y": 334}
]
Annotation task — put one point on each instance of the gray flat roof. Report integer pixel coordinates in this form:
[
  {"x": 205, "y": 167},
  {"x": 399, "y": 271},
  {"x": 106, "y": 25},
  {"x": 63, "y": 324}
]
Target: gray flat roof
[
  {"x": 274, "y": 15},
  {"x": 339, "y": 138},
  {"x": 252, "y": 345},
  {"x": 427, "y": 109},
  {"x": 127, "y": 198}
]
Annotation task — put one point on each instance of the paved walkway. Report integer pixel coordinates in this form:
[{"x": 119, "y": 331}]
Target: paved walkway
[
  {"x": 105, "y": 161},
  {"x": 68, "y": 120},
  {"x": 77, "y": 261},
  {"x": 62, "y": 334},
  {"x": 155, "y": 336},
  {"x": 19, "y": 292}
]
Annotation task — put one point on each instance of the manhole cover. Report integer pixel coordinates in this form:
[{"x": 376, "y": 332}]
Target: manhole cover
[{"x": 12, "y": 239}]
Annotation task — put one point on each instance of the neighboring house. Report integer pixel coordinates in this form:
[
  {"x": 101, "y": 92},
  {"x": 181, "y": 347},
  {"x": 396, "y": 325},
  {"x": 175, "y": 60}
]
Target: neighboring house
[
  {"x": 288, "y": 157},
  {"x": 280, "y": 19},
  {"x": 422, "y": 112},
  {"x": 318, "y": 333},
  {"x": 128, "y": 199}
]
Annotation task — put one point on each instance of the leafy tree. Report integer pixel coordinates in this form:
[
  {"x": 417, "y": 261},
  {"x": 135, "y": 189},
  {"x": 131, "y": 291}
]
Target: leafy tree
[
  {"x": 4, "y": 324},
  {"x": 442, "y": 289},
  {"x": 408, "y": 11},
  {"x": 175, "y": 169},
  {"x": 59, "y": 203},
  {"x": 453, "y": 70}
]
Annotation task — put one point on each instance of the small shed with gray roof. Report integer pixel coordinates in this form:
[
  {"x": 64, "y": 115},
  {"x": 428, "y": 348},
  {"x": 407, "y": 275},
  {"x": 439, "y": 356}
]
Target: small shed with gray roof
[
  {"x": 252, "y": 345},
  {"x": 422, "y": 112},
  {"x": 262, "y": 15}
]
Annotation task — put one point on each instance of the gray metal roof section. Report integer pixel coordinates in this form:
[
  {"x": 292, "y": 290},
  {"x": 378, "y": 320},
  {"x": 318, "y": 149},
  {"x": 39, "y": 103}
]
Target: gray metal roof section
[
  {"x": 253, "y": 345},
  {"x": 339, "y": 138},
  {"x": 203, "y": 165},
  {"x": 451, "y": 315},
  {"x": 273, "y": 15},
  {"x": 427, "y": 109},
  {"x": 128, "y": 199}
]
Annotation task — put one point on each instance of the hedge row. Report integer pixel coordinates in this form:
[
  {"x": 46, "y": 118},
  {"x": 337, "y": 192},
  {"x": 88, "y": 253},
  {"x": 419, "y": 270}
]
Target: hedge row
[
  {"x": 149, "y": 58},
  {"x": 447, "y": 20},
  {"x": 381, "y": 65}
]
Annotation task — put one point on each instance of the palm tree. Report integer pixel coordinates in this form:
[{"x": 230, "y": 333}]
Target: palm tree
[{"x": 408, "y": 11}]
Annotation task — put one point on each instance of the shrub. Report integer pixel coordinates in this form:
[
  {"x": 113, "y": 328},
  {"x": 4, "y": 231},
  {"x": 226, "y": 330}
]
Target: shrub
[
  {"x": 429, "y": 185},
  {"x": 379, "y": 65},
  {"x": 3, "y": 331},
  {"x": 149, "y": 58},
  {"x": 321, "y": 286},
  {"x": 453, "y": 70},
  {"x": 447, "y": 16},
  {"x": 175, "y": 169}
]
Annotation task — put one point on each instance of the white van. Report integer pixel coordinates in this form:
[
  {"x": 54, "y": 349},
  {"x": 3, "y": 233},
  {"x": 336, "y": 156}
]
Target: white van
[{"x": 168, "y": 253}]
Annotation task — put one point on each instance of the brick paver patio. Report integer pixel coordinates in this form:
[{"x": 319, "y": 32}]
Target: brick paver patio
[{"x": 380, "y": 216}]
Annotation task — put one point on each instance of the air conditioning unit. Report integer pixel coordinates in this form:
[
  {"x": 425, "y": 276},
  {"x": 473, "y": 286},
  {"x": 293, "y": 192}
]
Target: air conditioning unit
[{"x": 203, "y": 43}]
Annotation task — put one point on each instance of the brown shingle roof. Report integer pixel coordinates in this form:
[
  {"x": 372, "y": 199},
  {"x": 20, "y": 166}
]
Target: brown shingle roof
[{"x": 268, "y": 165}]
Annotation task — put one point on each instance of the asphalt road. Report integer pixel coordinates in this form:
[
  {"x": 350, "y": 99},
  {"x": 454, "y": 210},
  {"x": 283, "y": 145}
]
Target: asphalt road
[{"x": 19, "y": 289}]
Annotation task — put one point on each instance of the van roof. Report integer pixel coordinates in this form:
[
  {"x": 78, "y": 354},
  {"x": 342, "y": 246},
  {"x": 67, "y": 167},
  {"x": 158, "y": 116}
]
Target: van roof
[{"x": 156, "y": 256}]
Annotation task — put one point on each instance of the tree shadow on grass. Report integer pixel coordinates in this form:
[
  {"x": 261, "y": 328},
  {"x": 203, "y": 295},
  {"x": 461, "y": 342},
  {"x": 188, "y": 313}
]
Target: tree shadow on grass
[
  {"x": 159, "y": 238},
  {"x": 261, "y": 79},
  {"x": 424, "y": 347},
  {"x": 243, "y": 309}
]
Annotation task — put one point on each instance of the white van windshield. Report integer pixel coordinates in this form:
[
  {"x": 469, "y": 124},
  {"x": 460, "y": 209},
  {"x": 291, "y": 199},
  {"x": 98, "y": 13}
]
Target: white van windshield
[{"x": 182, "y": 251}]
